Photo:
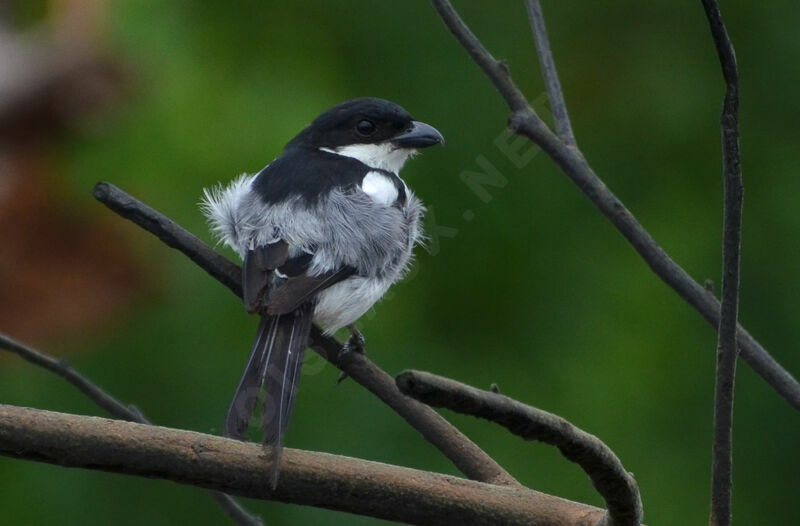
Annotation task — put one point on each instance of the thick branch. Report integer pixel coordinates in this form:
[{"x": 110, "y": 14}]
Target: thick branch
[
  {"x": 471, "y": 460},
  {"x": 314, "y": 479},
  {"x": 115, "y": 408},
  {"x": 727, "y": 352},
  {"x": 524, "y": 121},
  {"x": 615, "y": 485},
  {"x": 548, "y": 65}
]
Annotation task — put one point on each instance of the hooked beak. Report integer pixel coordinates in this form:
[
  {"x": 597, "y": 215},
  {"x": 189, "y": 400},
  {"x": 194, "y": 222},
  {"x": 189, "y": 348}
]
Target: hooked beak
[{"x": 419, "y": 135}]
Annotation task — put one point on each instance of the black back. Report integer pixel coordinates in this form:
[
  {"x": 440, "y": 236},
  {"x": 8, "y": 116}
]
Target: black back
[{"x": 307, "y": 173}]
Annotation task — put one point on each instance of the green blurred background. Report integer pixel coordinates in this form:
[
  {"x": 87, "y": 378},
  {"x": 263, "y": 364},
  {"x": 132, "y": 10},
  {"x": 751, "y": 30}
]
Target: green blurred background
[{"x": 537, "y": 292}]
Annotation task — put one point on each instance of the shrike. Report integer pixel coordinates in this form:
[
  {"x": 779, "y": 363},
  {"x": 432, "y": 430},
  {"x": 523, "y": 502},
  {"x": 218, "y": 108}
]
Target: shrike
[{"x": 324, "y": 230}]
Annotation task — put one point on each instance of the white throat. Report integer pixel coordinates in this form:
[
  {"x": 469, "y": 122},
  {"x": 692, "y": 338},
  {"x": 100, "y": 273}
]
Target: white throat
[{"x": 383, "y": 156}]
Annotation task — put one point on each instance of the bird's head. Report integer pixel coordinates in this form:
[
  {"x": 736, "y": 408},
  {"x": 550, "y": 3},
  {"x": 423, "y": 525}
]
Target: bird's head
[{"x": 377, "y": 132}]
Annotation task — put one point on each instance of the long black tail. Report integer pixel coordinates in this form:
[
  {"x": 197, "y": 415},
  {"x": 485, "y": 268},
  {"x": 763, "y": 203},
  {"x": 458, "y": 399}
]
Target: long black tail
[{"x": 274, "y": 365}]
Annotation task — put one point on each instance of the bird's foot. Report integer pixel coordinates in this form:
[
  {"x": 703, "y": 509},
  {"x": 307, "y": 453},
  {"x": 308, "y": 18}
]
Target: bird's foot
[{"x": 355, "y": 343}]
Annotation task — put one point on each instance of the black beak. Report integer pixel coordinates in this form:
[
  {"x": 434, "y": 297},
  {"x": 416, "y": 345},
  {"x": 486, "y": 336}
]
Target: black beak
[{"x": 419, "y": 135}]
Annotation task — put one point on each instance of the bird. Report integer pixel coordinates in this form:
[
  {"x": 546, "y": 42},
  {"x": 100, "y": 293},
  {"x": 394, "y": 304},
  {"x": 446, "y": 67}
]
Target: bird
[{"x": 323, "y": 231}]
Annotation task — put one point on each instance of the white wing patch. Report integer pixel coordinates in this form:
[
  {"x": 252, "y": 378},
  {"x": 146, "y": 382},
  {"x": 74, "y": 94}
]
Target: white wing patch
[{"x": 380, "y": 188}]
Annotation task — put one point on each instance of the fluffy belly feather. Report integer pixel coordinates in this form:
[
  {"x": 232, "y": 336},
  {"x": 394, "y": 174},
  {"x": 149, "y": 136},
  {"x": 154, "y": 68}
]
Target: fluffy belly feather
[{"x": 345, "y": 302}]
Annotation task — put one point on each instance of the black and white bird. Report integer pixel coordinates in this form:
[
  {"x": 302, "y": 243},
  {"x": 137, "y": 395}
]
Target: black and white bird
[{"x": 324, "y": 230}]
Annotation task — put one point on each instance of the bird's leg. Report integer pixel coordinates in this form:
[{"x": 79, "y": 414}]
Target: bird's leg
[{"x": 355, "y": 343}]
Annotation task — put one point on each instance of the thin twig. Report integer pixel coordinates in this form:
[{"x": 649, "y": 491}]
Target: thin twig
[
  {"x": 548, "y": 65},
  {"x": 114, "y": 407},
  {"x": 234, "y": 510},
  {"x": 617, "y": 487},
  {"x": 471, "y": 460},
  {"x": 494, "y": 69},
  {"x": 524, "y": 121},
  {"x": 727, "y": 351},
  {"x": 308, "y": 478},
  {"x": 63, "y": 369}
]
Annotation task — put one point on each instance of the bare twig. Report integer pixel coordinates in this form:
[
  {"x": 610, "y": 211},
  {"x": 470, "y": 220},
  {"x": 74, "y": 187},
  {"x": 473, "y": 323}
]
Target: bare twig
[
  {"x": 315, "y": 479},
  {"x": 548, "y": 65},
  {"x": 471, "y": 460},
  {"x": 617, "y": 487},
  {"x": 727, "y": 352},
  {"x": 171, "y": 234},
  {"x": 496, "y": 71},
  {"x": 234, "y": 510},
  {"x": 63, "y": 369},
  {"x": 524, "y": 121},
  {"x": 114, "y": 407}
]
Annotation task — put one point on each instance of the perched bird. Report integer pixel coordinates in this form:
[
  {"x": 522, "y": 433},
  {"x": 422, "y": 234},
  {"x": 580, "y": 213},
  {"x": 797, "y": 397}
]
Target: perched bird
[{"x": 324, "y": 230}]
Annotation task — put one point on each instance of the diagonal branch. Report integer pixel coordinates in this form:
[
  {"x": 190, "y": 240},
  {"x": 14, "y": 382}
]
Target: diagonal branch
[
  {"x": 114, "y": 407},
  {"x": 471, "y": 460},
  {"x": 617, "y": 487},
  {"x": 63, "y": 369},
  {"x": 309, "y": 478},
  {"x": 552, "y": 84},
  {"x": 494, "y": 69},
  {"x": 525, "y": 122},
  {"x": 727, "y": 352}
]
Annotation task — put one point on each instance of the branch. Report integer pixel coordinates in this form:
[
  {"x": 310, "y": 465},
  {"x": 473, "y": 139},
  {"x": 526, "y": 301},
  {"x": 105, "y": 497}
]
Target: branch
[
  {"x": 308, "y": 478},
  {"x": 115, "y": 408},
  {"x": 171, "y": 234},
  {"x": 554, "y": 93},
  {"x": 524, "y": 121},
  {"x": 471, "y": 460},
  {"x": 727, "y": 352},
  {"x": 63, "y": 369},
  {"x": 617, "y": 487}
]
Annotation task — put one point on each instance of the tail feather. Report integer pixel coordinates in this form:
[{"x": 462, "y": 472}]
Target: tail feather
[
  {"x": 282, "y": 377},
  {"x": 274, "y": 366},
  {"x": 246, "y": 396}
]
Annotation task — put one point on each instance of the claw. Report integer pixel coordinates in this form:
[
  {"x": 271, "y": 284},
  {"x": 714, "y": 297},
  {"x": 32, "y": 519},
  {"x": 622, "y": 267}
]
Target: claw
[{"x": 355, "y": 343}]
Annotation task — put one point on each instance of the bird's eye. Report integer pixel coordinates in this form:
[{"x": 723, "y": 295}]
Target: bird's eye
[{"x": 365, "y": 127}]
